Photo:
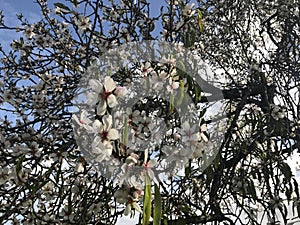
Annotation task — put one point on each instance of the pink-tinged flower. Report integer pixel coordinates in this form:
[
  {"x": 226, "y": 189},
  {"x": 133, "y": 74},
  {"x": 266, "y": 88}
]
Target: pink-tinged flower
[
  {"x": 189, "y": 134},
  {"x": 102, "y": 149},
  {"x": 157, "y": 80},
  {"x": 83, "y": 121},
  {"x": 134, "y": 117},
  {"x": 102, "y": 93},
  {"x": 148, "y": 165},
  {"x": 105, "y": 130},
  {"x": 172, "y": 85},
  {"x": 120, "y": 91},
  {"x": 146, "y": 69},
  {"x": 123, "y": 196}
]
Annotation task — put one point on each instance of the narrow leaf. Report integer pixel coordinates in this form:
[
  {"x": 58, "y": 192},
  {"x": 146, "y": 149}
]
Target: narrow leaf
[
  {"x": 147, "y": 202},
  {"x": 200, "y": 21},
  {"x": 157, "y": 207}
]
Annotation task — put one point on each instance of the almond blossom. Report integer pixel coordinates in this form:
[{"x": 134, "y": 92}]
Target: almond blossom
[
  {"x": 83, "y": 121},
  {"x": 105, "y": 130},
  {"x": 172, "y": 85},
  {"x": 123, "y": 196},
  {"x": 102, "y": 93},
  {"x": 148, "y": 170},
  {"x": 83, "y": 23},
  {"x": 189, "y": 133}
]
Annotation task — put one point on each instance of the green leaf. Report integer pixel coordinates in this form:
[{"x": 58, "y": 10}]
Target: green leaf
[
  {"x": 171, "y": 103},
  {"x": 197, "y": 93},
  {"x": 125, "y": 140},
  {"x": 157, "y": 207},
  {"x": 181, "y": 93},
  {"x": 190, "y": 38},
  {"x": 200, "y": 21},
  {"x": 147, "y": 202}
]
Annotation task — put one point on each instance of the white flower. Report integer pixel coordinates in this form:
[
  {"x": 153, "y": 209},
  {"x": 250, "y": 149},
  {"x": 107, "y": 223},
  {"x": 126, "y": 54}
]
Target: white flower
[
  {"x": 157, "y": 81},
  {"x": 130, "y": 205},
  {"x": 172, "y": 85},
  {"x": 105, "y": 130},
  {"x": 120, "y": 91},
  {"x": 123, "y": 196},
  {"x": 83, "y": 23},
  {"x": 29, "y": 32},
  {"x": 133, "y": 117},
  {"x": 187, "y": 10},
  {"x": 146, "y": 69},
  {"x": 102, "y": 149},
  {"x": 148, "y": 171},
  {"x": 189, "y": 134},
  {"x": 102, "y": 93},
  {"x": 83, "y": 121}
]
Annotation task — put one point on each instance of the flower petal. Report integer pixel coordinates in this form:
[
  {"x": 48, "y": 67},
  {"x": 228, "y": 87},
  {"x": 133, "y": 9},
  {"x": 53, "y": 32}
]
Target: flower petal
[
  {"x": 120, "y": 91},
  {"x": 107, "y": 148},
  {"x": 112, "y": 101},
  {"x": 127, "y": 209},
  {"x": 107, "y": 121},
  {"x": 97, "y": 125},
  {"x": 152, "y": 162},
  {"x": 92, "y": 98},
  {"x": 204, "y": 137},
  {"x": 96, "y": 85},
  {"x": 137, "y": 207},
  {"x": 113, "y": 134},
  {"x": 109, "y": 84},
  {"x": 101, "y": 108}
]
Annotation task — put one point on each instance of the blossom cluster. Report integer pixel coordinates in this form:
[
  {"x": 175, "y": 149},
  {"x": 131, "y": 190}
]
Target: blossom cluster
[{"x": 129, "y": 140}]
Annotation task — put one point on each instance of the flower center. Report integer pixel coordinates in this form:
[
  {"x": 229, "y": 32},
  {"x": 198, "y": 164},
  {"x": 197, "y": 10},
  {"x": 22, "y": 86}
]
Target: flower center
[
  {"x": 105, "y": 94},
  {"x": 103, "y": 134}
]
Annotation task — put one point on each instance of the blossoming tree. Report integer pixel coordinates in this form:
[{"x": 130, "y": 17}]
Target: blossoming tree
[{"x": 186, "y": 117}]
